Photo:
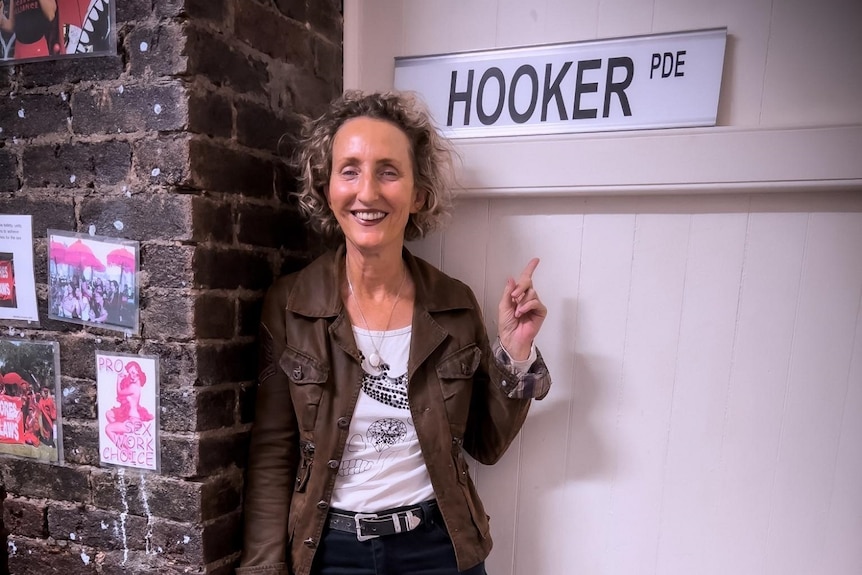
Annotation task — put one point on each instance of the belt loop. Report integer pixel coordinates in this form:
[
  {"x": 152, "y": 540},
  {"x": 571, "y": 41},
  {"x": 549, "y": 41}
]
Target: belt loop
[{"x": 429, "y": 511}]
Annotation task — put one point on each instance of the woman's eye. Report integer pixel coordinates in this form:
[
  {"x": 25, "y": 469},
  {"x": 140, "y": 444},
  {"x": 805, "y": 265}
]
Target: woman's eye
[{"x": 389, "y": 174}]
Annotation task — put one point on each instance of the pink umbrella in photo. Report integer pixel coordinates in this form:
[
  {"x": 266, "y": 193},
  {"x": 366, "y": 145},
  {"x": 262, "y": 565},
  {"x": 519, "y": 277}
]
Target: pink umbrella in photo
[
  {"x": 57, "y": 252},
  {"x": 124, "y": 259},
  {"x": 79, "y": 255}
]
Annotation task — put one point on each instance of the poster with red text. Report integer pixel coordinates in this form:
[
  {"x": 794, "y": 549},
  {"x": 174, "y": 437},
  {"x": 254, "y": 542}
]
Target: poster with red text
[
  {"x": 17, "y": 281},
  {"x": 51, "y": 29},
  {"x": 30, "y": 421},
  {"x": 127, "y": 388}
]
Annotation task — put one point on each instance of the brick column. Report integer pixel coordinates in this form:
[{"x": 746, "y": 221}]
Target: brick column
[{"x": 176, "y": 137}]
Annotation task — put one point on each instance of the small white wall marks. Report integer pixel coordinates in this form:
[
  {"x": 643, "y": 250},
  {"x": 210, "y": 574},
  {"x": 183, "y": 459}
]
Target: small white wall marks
[
  {"x": 148, "y": 538},
  {"x": 144, "y": 47},
  {"x": 121, "y": 486}
]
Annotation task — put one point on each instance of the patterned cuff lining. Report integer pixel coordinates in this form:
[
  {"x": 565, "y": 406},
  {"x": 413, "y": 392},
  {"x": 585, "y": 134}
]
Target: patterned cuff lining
[{"x": 535, "y": 383}]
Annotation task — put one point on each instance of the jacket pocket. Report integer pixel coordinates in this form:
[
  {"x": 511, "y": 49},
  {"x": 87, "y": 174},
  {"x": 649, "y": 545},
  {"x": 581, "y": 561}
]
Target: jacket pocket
[
  {"x": 455, "y": 372},
  {"x": 307, "y": 376}
]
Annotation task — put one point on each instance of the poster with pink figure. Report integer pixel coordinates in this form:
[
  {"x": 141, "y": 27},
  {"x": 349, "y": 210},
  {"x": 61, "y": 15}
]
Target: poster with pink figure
[{"x": 127, "y": 394}]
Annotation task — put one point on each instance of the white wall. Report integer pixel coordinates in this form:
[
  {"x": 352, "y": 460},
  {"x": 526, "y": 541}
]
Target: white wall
[{"x": 706, "y": 315}]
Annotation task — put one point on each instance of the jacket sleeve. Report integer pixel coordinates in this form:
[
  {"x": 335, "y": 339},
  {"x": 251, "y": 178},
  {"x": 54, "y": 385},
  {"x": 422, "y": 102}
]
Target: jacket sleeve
[
  {"x": 273, "y": 452},
  {"x": 500, "y": 399}
]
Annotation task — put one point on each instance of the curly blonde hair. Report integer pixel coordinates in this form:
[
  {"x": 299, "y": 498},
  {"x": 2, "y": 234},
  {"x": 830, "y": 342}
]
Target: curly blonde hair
[{"x": 430, "y": 153}]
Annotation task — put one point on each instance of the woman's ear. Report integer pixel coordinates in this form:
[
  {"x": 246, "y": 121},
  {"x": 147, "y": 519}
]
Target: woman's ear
[{"x": 419, "y": 200}]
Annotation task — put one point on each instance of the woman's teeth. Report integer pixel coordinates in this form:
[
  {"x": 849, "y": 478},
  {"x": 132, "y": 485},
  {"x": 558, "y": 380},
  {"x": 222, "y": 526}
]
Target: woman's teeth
[{"x": 369, "y": 216}]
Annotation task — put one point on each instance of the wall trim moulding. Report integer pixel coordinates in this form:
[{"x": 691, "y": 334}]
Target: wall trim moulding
[{"x": 707, "y": 160}]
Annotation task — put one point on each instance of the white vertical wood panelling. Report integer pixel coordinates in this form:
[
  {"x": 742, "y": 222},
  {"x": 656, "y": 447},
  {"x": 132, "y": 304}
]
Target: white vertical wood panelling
[
  {"x": 816, "y": 81},
  {"x": 841, "y": 553},
  {"x": 624, "y": 18},
  {"x": 468, "y": 26},
  {"x": 648, "y": 377},
  {"x": 701, "y": 352},
  {"x": 593, "y": 456},
  {"x": 522, "y": 23},
  {"x": 568, "y": 21},
  {"x": 816, "y": 389},
  {"x": 517, "y": 234},
  {"x": 758, "y": 390},
  {"x": 709, "y": 310}
]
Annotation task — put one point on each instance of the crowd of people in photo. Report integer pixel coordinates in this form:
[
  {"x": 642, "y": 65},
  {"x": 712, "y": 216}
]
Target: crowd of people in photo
[
  {"x": 38, "y": 409},
  {"x": 96, "y": 301}
]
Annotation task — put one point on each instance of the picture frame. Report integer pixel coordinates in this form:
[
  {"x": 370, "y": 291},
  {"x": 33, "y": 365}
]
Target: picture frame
[
  {"x": 35, "y": 30},
  {"x": 30, "y": 400},
  {"x": 93, "y": 281},
  {"x": 18, "y": 301},
  {"x": 127, "y": 393}
]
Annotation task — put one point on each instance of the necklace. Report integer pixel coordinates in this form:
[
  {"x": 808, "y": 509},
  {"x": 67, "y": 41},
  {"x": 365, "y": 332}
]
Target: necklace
[{"x": 375, "y": 360}]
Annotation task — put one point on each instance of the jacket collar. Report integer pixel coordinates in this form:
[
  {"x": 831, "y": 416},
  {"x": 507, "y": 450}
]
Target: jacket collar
[
  {"x": 316, "y": 293},
  {"x": 317, "y": 290}
]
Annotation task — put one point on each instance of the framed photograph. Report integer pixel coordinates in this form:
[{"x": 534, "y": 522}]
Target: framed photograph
[
  {"x": 93, "y": 280},
  {"x": 53, "y": 29},
  {"x": 30, "y": 419},
  {"x": 17, "y": 280},
  {"x": 127, "y": 391}
]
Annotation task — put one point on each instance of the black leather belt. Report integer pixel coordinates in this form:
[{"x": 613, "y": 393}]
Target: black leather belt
[{"x": 372, "y": 525}]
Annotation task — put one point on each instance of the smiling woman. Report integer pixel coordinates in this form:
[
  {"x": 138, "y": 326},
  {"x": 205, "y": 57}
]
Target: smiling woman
[{"x": 376, "y": 372}]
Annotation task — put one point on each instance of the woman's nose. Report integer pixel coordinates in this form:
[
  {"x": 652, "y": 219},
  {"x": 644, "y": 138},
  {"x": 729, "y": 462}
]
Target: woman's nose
[{"x": 369, "y": 189}]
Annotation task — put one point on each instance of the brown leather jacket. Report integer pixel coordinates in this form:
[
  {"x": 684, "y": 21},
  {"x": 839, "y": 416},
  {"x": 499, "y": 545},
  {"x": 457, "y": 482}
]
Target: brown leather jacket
[{"x": 310, "y": 378}]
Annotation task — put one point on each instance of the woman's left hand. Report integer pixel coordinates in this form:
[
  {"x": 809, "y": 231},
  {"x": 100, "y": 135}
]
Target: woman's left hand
[{"x": 520, "y": 314}]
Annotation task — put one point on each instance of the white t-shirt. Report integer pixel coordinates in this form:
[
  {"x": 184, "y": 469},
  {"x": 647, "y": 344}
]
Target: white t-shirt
[{"x": 382, "y": 466}]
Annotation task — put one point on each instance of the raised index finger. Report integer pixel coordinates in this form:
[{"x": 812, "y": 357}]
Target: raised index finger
[{"x": 527, "y": 274}]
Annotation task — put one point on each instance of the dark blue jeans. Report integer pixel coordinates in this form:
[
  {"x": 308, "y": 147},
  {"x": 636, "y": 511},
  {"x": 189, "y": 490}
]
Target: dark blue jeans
[{"x": 427, "y": 550}]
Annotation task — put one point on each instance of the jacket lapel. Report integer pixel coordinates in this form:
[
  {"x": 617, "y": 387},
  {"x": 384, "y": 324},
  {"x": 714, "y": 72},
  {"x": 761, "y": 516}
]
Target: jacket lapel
[{"x": 317, "y": 293}]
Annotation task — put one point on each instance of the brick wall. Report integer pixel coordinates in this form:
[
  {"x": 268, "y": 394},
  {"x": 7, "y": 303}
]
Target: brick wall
[{"x": 177, "y": 138}]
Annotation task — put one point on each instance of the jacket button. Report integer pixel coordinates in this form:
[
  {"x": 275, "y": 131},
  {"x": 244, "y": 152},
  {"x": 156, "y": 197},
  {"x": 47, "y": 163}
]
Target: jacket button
[
  {"x": 310, "y": 542},
  {"x": 297, "y": 372},
  {"x": 322, "y": 504},
  {"x": 343, "y": 422},
  {"x": 333, "y": 463},
  {"x": 465, "y": 369}
]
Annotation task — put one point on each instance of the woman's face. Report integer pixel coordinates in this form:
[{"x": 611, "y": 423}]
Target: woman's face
[{"x": 371, "y": 190}]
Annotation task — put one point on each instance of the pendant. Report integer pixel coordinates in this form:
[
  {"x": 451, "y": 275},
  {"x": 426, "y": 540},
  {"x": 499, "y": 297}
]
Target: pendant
[{"x": 374, "y": 359}]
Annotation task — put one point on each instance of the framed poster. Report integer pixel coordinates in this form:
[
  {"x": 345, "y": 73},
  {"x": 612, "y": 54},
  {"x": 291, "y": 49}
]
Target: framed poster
[
  {"x": 52, "y": 29},
  {"x": 17, "y": 281},
  {"x": 30, "y": 419},
  {"x": 92, "y": 280},
  {"x": 127, "y": 391}
]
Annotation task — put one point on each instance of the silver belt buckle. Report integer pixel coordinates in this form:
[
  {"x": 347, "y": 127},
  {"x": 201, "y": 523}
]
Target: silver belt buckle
[{"x": 357, "y": 518}]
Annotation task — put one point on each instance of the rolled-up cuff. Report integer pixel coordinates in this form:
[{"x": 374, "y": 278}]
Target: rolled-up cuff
[{"x": 534, "y": 384}]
